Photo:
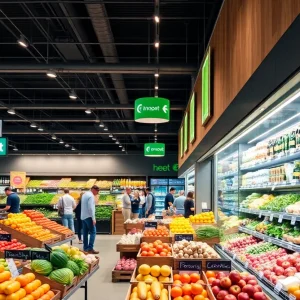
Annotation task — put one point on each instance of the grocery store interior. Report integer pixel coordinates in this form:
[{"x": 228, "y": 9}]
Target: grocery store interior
[{"x": 149, "y": 150}]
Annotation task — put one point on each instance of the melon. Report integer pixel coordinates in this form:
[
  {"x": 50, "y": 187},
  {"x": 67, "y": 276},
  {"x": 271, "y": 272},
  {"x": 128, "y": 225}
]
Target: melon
[
  {"x": 63, "y": 276},
  {"x": 41, "y": 266},
  {"x": 59, "y": 259}
]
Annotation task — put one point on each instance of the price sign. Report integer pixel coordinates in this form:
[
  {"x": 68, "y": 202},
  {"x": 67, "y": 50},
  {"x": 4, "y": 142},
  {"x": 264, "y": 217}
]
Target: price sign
[
  {"x": 151, "y": 225},
  {"x": 246, "y": 265},
  {"x": 187, "y": 237},
  {"x": 206, "y": 210},
  {"x": 261, "y": 274},
  {"x": 271, "y": 217},
  {"x": 6, "y": 237},
  {"x": 280, "y": 218},
  {"x": 234, "y": 256},
  {"x": 218, "y": 265},
  {"x": 40, "y": 255},
  {"x": 17, "y": 254},
  {"x": 259, "y": 214},
  {"x": 159, "y": 217},
  {"x": 277, "y": 288},
  {"x": 190, "y": 265},
  {"x": 12, "y": 267},
  {"x": 293, "y": 220},
  {"x": 292, "y": 297}
]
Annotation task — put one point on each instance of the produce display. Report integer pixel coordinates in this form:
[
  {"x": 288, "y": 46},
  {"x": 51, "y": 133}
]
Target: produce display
[
  {"x": 186, "y": 249},
  {"x": 155, "y": 290},
  {"x": 153, "y": 273},
  {"x": 279, "y": 203},
  {"x": 12, "y": 245},
  {"x": 107, "y": 199},
  {"x": 143, "y": 220},
  {"x": 22, "y": 223},
  {"x": 104, "y": 184},
  {"x": 255, "y": 201},
  {"x": 130, "y": 239},
  {"x": 205, "y": 217},
  {"x": 103, "y": 212},
  {"x": 34, "y": 183},
  {"x": 188, "y": 286},
  {"x": 158, "y": 248},
  {"x": 125, "y": 264},
  {"x": 207, "y": 232},
  {"x": 42, "y": 198},
  {"x": 235, "y": 286},
  {"x": 181, "y": 225},
  {"x": 229, "y": 222},
  {"x": 160, "y": 231}
]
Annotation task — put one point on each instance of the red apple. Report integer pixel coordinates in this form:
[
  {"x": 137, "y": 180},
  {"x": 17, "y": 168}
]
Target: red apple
[
  {"x": 215, "y": 289},
  {"x": 259, "y": 296},
  {"x": 234, "y": 290},
  {"x": 225, "y": 282},
  {"x": 230, "y": 297},
  {"x": 220, "y": 275},
  {"x": 290, "y": 271},
  {"x": 250, "y": 277},
  {"x": 297, "y": 265},
  {"x": 243, "y": 296},
  {"x": 216, "y": 282},
  {"x": 221, "y": 295},
  {"x": 257, "y": 288},
  {"x": 278, "y": 270},
  {"x": 234, "y": 276},
  {"x": 252, "y": 282},
  {"x": 286, "y": 264},
  {"x": 279, "y": 262},
  {"x": 241, "y": 283},
  {"x": 249, "y": 289}
]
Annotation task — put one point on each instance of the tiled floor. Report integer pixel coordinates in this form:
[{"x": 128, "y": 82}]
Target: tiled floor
[{"x": 100, "y": 285}]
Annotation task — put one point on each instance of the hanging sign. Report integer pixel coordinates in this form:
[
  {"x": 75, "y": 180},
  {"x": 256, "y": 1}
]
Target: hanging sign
[
  {"x": 192, "y": 126},
  {"x": 152, "y": 110},
  {"x": 18, "y": 179},
  {"x": 154, "y": 149},
  {"x": 3, "y": 146},
  {"x": 206, "y": 99}
]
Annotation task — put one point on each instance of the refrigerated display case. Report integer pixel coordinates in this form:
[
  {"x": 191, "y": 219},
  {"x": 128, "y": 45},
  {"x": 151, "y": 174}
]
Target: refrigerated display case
[{"x": 190, "y": 181}]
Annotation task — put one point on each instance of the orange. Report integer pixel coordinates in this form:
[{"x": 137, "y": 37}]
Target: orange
[
  {"x": 185, "y": 278},
  {"x": 297, "y": 294},
  {"x": 204, "y": 293},
  {"x": 176, "y": 277},
  {"x": 177, "y": 282},
  {"x": 211, "y": 279},
  {"x": 194, "y": 277},
  {"x": 293, "y": 288},
  {"x": 187, "y": 297},
  {"x": 36, "y": 294},
  {"x": 150, "y": 253},
  {"x": 210, "y": 274},
  {"x": 197, "y": 289},
  {"x": 199, "y": 297},
  {"x": 30, "y": 276},
  {"x": 45, "y": 297},
  {"x": 176, "y": 291},
  {"x": 178, "y": 298},
  {"x": 51, "y": 294},
  {"x": 24, "y": 280},
  {"x": 186, "y": 289}
]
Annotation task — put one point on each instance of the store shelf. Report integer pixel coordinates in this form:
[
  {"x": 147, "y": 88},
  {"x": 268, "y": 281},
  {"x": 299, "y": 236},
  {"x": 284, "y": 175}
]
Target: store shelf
[
  {"x": 272, "y": 187},
  {"x": 273, "y": 162},
  {"x": 63, "y": 242},
  {"x": 228, "y": 207},
  {"x": 272, "y": 240},
  {"x": 228, "y": 174}
]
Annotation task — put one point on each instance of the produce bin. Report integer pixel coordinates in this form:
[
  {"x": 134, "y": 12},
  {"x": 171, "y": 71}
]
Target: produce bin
[
  {"x": 103, "y": 226},
  {"x": 135, "y": 273},
  {"x": 135, "y": 284},
  {"x": 129, "y": 226},
  {"x": 154, "y": 260},
  {"x": 152, "y": 239},
  {"x": 118, "y": 275},
  {"x": 128, "y": 248}
]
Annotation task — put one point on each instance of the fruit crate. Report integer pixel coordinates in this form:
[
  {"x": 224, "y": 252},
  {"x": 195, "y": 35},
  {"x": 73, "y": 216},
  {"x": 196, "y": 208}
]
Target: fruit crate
[
  {"x": 234, "y": 229},
  {"x": 211, "y": 242},
  {"x": 64, "y": 236},
  {"x": 203, "y": 262},
  {"x": 81, "y": 277},
  {"x": 152, "y": 239},
  {"x": 154, "y": 260},
  {"x": 64, "y": 289},
  {"x": 57, "y": 295},
  {"x": 134, "y": 274},
  {"x": 120, "y": 275},
  {"x": 128, "y": 248},
  {"x": 28, "y": 240},
  {"x": 129, "y": 226},
  {"x": 133, "y": 285},
  {"x": 94, "y": 265}
]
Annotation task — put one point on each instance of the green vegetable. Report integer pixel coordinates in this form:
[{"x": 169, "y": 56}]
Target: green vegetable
[
  {"x": 63, "y": 276},
  {"x": 41, "y": 266},
  {"x": 279, "y": 203},
  {"x": 261, "y": 248},
  {"x": 83, "y": 266},
  {"x": 73, "y": 267},
  {"x": 42, "y": 198},
  {"x": 103, "y": 212},
  {"x": 59, "y": 259},
  {"x": 206, "y": 232}
]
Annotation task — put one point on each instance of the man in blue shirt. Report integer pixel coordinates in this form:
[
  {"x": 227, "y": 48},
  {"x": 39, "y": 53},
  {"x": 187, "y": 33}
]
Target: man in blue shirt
[
  {"x": 88, "y": 219},
  {"x": 169, "y": 200},
  {"x": 12, "y": 202}
]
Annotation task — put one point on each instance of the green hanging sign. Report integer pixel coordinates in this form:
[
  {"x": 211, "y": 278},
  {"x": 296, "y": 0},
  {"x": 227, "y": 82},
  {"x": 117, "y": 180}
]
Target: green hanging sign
[
  {"x": 206, "y": 99},
  {"x": 3, "y": 146},
  {"x": 152, "y": 110},
  {"x": 154, "y": 149}
]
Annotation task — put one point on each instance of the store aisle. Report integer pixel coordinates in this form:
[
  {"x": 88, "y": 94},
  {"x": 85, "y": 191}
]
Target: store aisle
[{"x": 100, "y": 284}]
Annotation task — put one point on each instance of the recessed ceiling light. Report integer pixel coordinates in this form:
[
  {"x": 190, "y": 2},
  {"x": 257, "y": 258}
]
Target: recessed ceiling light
[
  {"x": 72, "y": 95},
  {"x": 33, "y": 125},
  {"x": 51, "y": 74},
  {"x": 15, "y": 148},
  {"x": 73, "y": 149},
  {"x": 156, "y": 96},
  {"x": 40, "y": 129},
  {"x": 67, "y": 145},
  {"x": 101, "y": 125},
  {"x": 262, "y": 109},
  {"x": 11, "y": 111},
  {"x": 53, "y": 137},
  {"x": 117, "y": 142},
  {"x": 110, "y": 135},
  {"x": 155, "y": 129},
  {"x": 123, "y": 149},
  {"x": 156, "y": 44},
  {"x": 61, "y": 141},
  {"x": 105, "y": 129},
  {"x": 156, "y": 87},
  {"x": 156, "y": 75},
  {"x": 114, "y": 139},
  {"x": 156, "y": 19},
  {"x": 22, "y": 41},
  {"x": 88, "y": 111},
  {"x": 120, "y": 146}
]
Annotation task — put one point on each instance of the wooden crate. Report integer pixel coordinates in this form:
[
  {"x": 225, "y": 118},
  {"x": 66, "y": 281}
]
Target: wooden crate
[
  {"x": 26, "y": 239},
  {"x": 117, "y": 222},
  {"x": 128, "y": 248},
  {"x": 211, "y": 242},
  {"x": 155, "y": 260},
  {"x": 120, "y": 275},
  {"x": 152, "y": 239},
  {"x": 135, "y": 284},
  {"x": 134, "y": 274},
  {"x": 57, "y": 295},
  {"x": 94, "y": 265},
  {"x": 64, "y": 289},
  {"x": 231, "y": 230},
  {"x": 81, "y": 277},
  {"x": 129, "y": 226},
  {"x": 64, "y": 236}
]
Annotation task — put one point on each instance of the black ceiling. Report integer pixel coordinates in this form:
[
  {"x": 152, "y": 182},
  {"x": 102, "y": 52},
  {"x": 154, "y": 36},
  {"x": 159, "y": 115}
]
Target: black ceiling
[{"x": 104, "y": 51}]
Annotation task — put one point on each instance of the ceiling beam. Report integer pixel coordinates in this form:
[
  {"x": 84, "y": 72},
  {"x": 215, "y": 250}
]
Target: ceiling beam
[
  {"x": 5, "y": 132},
  {"x": 87, "y": 68},
  {"x": 77, "y": 120}
]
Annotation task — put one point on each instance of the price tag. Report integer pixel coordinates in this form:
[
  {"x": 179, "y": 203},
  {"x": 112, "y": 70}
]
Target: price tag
[
  {"x": 12, "y": 267},
  {"x": 292, "y": 297},
  {"x": 273, "y": 187},
  {"x": 159, "y": 217},
  {"x": 290, "y": 246},
  {"x": 280, "y": 218},
  {"x": 206, "y": 210},
  {"x": 293, "y": 220},
  {"x": 260, "y": 274},
  {"x": 246, "y": 265},
  {"x": 190, "y": 265},
  {"x": 259, "y": 214},
  {"x": 17, "y": 254},
  {"x": 271, "y": 217},
  {"x": 5, "y": 237},
  {"x": 40, "y": 255},
  {"x": 187, "y": 237},
  {"x": 234, "y": 256},
  {"x": 218, "y": 265},
  {"x": 151, "y": 225},
  {"x": 277, "y": 288}
]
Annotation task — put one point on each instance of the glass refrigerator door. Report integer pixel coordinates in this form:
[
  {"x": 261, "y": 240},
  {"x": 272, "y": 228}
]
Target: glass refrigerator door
[{"x": 160, "y": 193}]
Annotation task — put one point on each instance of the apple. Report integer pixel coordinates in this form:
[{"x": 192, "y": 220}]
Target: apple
[
  {"x": 297, "y": 265},
  {"x": 216, "y": 282},
  {"x": 215, "y": 289},
  {"x": 234, "y": 290},
  {"x": 220, "y": 275},
  {"x": 279, "y": 262},
  {"x": 290, "y": 271},
  {"x": 257, "y": 288},
  {"x": 241, "y": 283},
  {"x": 225, "y": 282},
  {"x": 259, "y": 296},
  {"x": 243, "y": 296},
  {"x": 221, "y": 295},
  {"x": 286, "y": 264},
  {"x": 278, "y": 270},
  {"x": 249, "y": 289},
  {"x": 252, "y": 282},
  {"x": 230, "y": 297},
  {"x": 234, "y": 276},
  {"x": 250, "y": 277}
]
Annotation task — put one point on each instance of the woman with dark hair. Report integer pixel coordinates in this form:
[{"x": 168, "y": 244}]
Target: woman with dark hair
[
  {"x": 77, "y": 211},
  {"x": 189, "y": 205},
  {"x": 142, "y": 204}
]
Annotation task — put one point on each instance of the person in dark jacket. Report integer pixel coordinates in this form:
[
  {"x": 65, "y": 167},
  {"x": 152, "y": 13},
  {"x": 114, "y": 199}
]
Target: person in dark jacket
[
  {"x": 189, "y": 206},
  {"x": 78, "y": 217},
  {"x": 135, "y": 205}
]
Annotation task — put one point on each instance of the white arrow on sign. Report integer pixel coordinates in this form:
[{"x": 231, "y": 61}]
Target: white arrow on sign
[
  {"x": 1, "y": 147},
  {"x": 147, "y": 149},
  {"x": 139, "y": 108},
  {"x": 165, "y": 108}
]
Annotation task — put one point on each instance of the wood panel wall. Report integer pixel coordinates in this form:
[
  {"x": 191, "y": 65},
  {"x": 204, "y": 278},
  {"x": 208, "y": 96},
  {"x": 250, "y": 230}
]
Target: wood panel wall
[{"x": 245, "y": 33}]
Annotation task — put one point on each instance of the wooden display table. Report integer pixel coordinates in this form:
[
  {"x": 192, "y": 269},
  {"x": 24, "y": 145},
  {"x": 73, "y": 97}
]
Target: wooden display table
[{"x": 117, "y": 222}]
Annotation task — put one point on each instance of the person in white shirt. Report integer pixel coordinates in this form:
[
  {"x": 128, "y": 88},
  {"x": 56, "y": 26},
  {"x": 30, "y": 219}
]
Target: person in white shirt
[
  {"x": 68, "y": 204},
  {"x": 126, "y": 202}
]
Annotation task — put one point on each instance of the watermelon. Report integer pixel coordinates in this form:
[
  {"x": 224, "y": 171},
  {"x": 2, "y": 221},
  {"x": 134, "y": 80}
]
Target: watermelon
[
  {"x": 59, "y": 250},
  {"x": 73, "y": 267},
  {"x": 41, "y": 266},
  {"x": 58, "y": 259},
  {"x": 64, "y": 276}
]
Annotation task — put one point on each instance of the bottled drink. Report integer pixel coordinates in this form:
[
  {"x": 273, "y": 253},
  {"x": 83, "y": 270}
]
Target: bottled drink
[
  {"x": 271, "y": 149},
  {"x": 286, "y": 142},
  {"x": 292, "y": 142},
  {"x": 296, "y": 171},
  {"x": 298, "y": 137}
]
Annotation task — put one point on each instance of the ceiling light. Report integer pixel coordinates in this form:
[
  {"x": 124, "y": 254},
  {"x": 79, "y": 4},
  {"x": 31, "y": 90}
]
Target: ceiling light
[
  {"x": 51, "y": 74},
  {"x": 120, "y": 146},
  {"x": 155, "y": 129},
  {"x": 73, "y": 149},
  {"x": 114, "y": 139},
  {"x": 123, "y": 149},
  {"x": 67, "y": 145},
  {"x": 262, "y": 109},
  {"x": 156, "y": 19},
  {"x": 156, "y": 96},
  {"x": 88, "y": 111},
  {"x": 11, "y": 111},
  {"x": 72, "y": 95},
  {"x": 61, "y": 141},
  {"x": 53, "y": 137},
  {"x": 110, "y": 135},
  {"x": 156, "y": 44},
  {"x": 15, "y": 148},
  {"x": 22, "y": 41},
  {"x": 156, "y": 87},
  {"x": 101, "y": 125},
  {"x": 156, "y": 75},
  {"x": 33, "y": 125},
  {"x": 117, "y": 142},
  {"x": 40, "y": 129},
  {"x": 105, "y": 129}
]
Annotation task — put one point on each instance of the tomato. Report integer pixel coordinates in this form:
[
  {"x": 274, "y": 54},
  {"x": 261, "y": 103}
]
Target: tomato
[
  {"x": 151, "y": 253},
  {"x": 14, "y": 240},
  {"x": 159, "y": 248}
]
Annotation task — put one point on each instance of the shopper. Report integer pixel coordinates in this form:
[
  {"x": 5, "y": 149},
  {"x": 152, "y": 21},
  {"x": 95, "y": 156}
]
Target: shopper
[
  {"x": 189, "y": 206},
  {"x": 150, "y": 203},
  {"x": 220, "y": 198},
  {"x": 12, "y": 201},
  {"x": 142, "y": 204},
  {"x": 67, "y": 204},
  {"x": 179, "y": 203},
  {"x": 169, "y": 199},
  {"x": 126, "y": 202},
  {"x": 135, "y": 205},
  {"x": 88, "y": 219},
  {"x": 78, "y": 218}
]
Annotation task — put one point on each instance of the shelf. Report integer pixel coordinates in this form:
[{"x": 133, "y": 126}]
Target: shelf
[
  {"x": 272, "y": 187},
  {"x": 273, "y": 162},
  {"x": 229, "y": 207},
  {"x": 228, "y": 174},
  {"x": 272, "y": 240},
  {"x": 63, "y": 242}
]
